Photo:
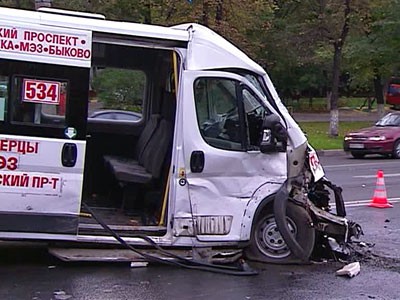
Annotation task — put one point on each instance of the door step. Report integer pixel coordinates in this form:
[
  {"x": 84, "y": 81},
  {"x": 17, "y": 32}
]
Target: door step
[
  {"x": 125, "y": 255},
  {"x": 108, "y": 255}
]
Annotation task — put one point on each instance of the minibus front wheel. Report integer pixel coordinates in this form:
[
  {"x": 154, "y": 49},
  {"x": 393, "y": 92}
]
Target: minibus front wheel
[{"x": 267, "y": 244}]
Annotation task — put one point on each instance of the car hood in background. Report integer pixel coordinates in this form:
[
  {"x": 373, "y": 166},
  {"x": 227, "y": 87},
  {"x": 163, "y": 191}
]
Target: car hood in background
[{"x": 375, "y": 131}]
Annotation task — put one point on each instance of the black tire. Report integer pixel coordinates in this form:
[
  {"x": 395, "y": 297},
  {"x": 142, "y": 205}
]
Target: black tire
[
  {"x": 268, "y": 246},
  {"x": 396, "y": 150},
  {"x": 357, "y": 154}
]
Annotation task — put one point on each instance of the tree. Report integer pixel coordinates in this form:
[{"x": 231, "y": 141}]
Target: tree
[
  {"x": 241, "y": 22},
  {"x": 26, "y": 4},
  {"x": 236, "y": 20},
  {"x": 119, "y": 88},
  {"x": 291, "y": 51},
  {"x": 337, "y": 39},
  {"x": 318, "y": 29},
  {"x": 372, "y": 56},
  {"x": 332, "y": 21},
  {"x": 305, "y": 45}
]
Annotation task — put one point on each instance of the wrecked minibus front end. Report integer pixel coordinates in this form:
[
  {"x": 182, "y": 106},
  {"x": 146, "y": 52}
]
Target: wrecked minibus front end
[{"x": 288, "y": 215}]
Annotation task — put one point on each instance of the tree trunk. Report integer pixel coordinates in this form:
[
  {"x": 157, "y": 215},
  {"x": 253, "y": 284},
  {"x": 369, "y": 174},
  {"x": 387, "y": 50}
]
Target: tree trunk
[
  {"x": 147, "y": 12},
  {"x": 219, "y": 12},
  {"x": 381, "y": 110},
  {"x": 380, "y": 100},
  {"x": 334, "y": 122},
  {"x": 205, "y": 13},
  {"x": 38, "y": 3},
  {"x": 89, "y": 5},
  {"x": 328, "y": 100},
  {"x": 337, "y": 57}
]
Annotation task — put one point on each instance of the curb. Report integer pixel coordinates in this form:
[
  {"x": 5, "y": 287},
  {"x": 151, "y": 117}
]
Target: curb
[{"x": 329, "y": 153}]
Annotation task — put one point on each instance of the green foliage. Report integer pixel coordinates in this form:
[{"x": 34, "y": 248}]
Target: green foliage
[
  {"x": 241, "y": 22},
  {"x": 120, "y": 89},
  {"x": 25, "y": 4},
  {"x": 293, "y": 39},
  {"x": 374, "y": 51}
]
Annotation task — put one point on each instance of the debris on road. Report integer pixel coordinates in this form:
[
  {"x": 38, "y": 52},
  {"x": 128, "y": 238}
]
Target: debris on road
[
  {"x": 61, "y": 295},
  {"x": 350, "y": 270},
  {"x": 139, "y": 264}
]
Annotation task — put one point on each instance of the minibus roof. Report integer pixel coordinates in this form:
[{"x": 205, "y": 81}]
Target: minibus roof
[
  {"x": 92, "y": 24},
  {"x": 206, "y": 51}
]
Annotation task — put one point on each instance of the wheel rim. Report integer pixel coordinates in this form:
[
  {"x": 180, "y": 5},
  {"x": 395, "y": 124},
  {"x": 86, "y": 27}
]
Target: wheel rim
[
  {"x": 269, "y": 240},
  {"x": 397, "y": 150}
]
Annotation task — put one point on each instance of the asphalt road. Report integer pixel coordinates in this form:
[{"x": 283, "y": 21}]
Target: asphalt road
[
  {"x": 29, "y": 273},
  {"x": 357, "y": 177}
]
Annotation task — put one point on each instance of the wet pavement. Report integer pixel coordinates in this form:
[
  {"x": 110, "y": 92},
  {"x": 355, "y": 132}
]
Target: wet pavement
[
  {"x": 382, "y": 228},
  {"x": 45, "y": 279},
  {"x": 30, "y": 273}
]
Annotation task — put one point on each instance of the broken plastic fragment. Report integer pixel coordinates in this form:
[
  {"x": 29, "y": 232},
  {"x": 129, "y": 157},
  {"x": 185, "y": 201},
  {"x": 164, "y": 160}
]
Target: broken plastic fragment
[
  {"x": 139, "y": 264},
  {"x": 61, "y": 295},
  {"x": 338, "y": 248},
  {"x": 350, "y": 270}
]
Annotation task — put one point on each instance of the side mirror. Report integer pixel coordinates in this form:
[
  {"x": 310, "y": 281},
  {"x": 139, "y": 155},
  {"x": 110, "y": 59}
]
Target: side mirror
[{"x": 273, "y": 135}]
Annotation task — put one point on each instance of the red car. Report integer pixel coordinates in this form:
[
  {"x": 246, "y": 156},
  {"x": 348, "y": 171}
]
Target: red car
[
  {"x": 393, "y": 95},
  {"x": 383, "y": 138}
]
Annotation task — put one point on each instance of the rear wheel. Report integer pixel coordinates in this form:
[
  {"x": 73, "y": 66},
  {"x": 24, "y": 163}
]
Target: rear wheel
[
  {"x": 357, "y": 154},
  {"x": 267, "y": 244},
  {"x": 396, "y": 150}
]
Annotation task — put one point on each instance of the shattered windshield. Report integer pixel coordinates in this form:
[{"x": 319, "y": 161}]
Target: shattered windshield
[
  {"x": 253, "y": 80},
  {"x": 389, "y": 120}
]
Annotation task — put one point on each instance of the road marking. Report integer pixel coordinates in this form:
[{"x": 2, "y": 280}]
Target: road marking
[
  {"x": 364, "y": 202},
  {"x": 357, "y": 165},
  {"x": 373, "y": 176}
]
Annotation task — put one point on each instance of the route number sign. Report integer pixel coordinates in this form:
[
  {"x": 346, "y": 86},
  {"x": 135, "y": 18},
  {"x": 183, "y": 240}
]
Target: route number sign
[{"x": 41, "y": 91}]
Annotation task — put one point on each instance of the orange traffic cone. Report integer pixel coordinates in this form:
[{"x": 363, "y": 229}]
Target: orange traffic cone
[{"x": 380, "y": 198}]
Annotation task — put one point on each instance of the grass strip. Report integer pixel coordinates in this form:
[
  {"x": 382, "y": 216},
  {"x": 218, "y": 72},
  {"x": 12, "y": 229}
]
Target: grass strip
[{"x": 318, "y": 133}]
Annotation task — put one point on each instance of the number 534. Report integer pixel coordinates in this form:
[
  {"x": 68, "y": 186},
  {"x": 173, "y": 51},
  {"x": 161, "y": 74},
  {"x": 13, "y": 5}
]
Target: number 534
[{"x": 41, "y": 91}]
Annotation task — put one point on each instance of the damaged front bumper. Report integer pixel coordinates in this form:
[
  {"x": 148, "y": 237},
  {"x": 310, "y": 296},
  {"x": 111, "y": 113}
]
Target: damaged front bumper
[
  {"x": 335, "y": 230},
  {"x": 332, "y": 225},
  {"x": 335, "y": 225},
  {"x": 308, "y": 187}
]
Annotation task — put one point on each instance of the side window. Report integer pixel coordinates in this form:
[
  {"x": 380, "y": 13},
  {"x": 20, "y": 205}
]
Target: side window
[
  {"x": 117, "y": 87},
  {"x": 254, "y": 115},
  {"x": 38, "y": 101},
  {"x": 3, "y": 97},
  {"x": 217, "y": 108},
  {"x": 229, "y": 115}
]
